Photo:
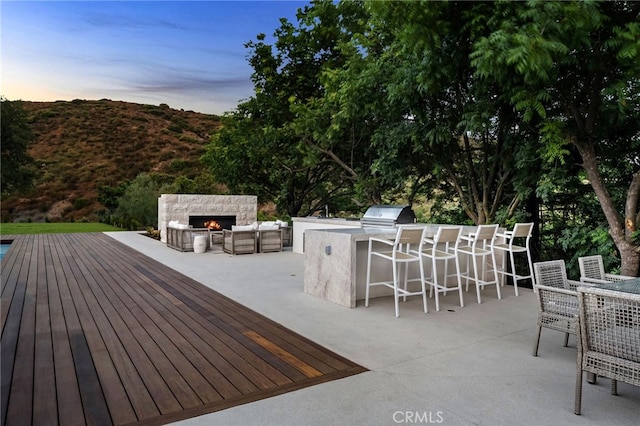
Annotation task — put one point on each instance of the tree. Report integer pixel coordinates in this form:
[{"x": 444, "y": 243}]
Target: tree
[
  {"x": 576, "y": 67},
  {"x": 252, "y": 157},
  {"x": 17, "y": 171},
  {"x": 264, "y": 147},
  {"x": 472, "y": 103},
  {"x": 138, "y": 205},
  {"x": 437, "y": 130}
]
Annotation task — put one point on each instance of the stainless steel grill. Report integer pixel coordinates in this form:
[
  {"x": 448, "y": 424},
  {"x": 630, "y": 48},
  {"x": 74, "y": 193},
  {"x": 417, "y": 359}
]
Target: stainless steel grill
[{"x": 385, "y": 216}]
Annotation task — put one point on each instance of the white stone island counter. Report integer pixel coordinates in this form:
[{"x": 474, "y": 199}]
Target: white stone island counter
[
  {"x": 302, "y": 224},
  {"x": 335, "y": 263}
]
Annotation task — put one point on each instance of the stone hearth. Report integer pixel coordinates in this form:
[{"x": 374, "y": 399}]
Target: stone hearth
[{"x": 180, "y": 206}]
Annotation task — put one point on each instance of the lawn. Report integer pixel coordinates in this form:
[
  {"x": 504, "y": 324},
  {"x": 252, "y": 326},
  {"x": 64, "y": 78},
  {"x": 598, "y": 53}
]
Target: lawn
[{"x": 53, "y": 228}]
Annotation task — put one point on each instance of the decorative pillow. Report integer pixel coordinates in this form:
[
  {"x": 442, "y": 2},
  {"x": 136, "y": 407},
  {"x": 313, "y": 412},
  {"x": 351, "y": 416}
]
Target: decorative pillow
[
  {"x": 242, "y": 228},
  {"x": 282, "y": 223},
  {"x": 268, "y": 223},
  {"x": 264, "y": 227}
]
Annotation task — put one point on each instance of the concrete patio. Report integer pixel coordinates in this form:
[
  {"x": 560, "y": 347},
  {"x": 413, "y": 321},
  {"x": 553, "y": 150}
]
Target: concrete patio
[{"x": 459, "y": 366}]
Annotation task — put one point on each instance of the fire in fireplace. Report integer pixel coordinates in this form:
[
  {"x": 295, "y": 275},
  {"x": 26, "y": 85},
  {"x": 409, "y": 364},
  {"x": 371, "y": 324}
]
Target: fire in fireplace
[{"x": 215, "y": 223}]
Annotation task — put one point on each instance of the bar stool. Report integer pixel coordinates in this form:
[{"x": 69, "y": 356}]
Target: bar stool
[
  {"x": 404, "y": 250},
  {"x": 443, "y": 248},
  {"x": 521, "y": 231},
  {"x": 480, "y": 250}
]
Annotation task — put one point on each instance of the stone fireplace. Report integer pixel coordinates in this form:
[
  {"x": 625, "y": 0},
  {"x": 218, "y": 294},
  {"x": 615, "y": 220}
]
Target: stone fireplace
[{"x": 187, "y": 208}]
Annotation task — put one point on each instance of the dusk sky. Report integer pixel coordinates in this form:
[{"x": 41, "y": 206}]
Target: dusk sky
[{"x": 189, "y": 55}]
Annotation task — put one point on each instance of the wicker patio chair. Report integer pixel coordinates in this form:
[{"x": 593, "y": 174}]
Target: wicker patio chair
[
  {"x": 181, "y": 237},
  {"x": 270, "y": 239},
  {"x": 609, "y": 343},
  {"x": 557, "y": 302},
  {"x": 239, "y": 242},
  {"x": 553, "y": 273},
  {"x": 592, "y": 270}
]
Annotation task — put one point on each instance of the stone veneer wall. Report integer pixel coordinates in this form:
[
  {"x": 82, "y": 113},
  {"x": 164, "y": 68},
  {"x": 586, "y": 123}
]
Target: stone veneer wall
[{"x": 180, "y": 206}]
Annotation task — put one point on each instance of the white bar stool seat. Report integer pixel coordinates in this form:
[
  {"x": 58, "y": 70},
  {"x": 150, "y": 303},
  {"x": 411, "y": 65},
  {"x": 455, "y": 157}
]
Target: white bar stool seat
[
  {"x": 442, "y": 249},
  {"x": 520, "y": 232},
  {"x": 403, "y": 250},
  {"x": 479, "y": 250}
]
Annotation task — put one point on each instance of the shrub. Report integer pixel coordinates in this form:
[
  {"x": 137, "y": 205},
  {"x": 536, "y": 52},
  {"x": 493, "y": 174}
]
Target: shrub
[
  {"x": 176, "y": 128},
  {"x": 178, "y": 165},
  {"x": 80, "y": 203}
]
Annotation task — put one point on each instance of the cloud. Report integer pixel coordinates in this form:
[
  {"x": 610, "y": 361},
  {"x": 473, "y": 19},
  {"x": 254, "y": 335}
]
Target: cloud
[
  {"x": 119, "y": 22},
  {"x": 204, "y": 93},
  {"x": 189, "y": 84}
]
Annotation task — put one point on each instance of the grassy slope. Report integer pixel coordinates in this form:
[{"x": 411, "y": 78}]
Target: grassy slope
[
  {"x": 53, "y": 228},
  {"x": 81, "y": 145}
]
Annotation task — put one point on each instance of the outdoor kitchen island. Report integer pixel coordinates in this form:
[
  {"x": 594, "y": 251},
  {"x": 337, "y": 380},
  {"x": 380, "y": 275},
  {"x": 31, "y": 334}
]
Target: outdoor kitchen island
[{"x": 335, "y": 265}]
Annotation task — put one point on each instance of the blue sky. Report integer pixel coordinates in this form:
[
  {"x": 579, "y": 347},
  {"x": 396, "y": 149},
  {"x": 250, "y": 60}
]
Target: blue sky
[{"x": 186, "y": 54}]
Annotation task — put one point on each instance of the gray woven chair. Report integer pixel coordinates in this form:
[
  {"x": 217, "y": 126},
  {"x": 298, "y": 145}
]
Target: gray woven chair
[
  {"x": 592, "y": 271},
  {"x": 553, "y": 273},
  {"x": 557, "y": 302},
  {"x": 239, "y": 242},
  {"x": 609, "y": 343},
  {"x": 270, "y": 240}
]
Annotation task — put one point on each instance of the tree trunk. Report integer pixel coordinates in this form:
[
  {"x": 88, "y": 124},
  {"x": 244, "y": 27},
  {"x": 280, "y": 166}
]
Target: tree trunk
[{"x": 620, "y": 230}]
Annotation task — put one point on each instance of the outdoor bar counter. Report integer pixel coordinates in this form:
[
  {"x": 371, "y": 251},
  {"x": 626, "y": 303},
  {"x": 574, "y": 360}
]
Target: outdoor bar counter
[
  {"x": 335, "y": 265},
  {"x": 302, "y": 224}
]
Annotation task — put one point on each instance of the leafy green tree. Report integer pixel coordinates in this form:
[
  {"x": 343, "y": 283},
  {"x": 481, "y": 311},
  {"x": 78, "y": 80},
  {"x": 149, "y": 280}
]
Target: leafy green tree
[
  {"x": 436, "y": 130},
  {"x": 17, "y": 171},
  {"x": 465, "y": 103},
  {"x": 202, "y": 183},
  {"x": 264, "y": 147},
  {"x": 266, "y": 162},
  {"x": 573, "y": 223},
  {"x": 138, "y": 206},
  {"x": 575, "y": 67},
  {"x": 109, "y": 196}
]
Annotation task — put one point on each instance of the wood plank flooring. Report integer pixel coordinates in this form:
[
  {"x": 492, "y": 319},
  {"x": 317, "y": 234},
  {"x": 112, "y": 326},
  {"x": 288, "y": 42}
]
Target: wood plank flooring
[{"x": 94, "y": 332}]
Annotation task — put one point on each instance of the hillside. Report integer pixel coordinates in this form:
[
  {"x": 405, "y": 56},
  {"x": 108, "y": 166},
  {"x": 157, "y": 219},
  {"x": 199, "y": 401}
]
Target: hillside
[{"x": 82, "y": 145}]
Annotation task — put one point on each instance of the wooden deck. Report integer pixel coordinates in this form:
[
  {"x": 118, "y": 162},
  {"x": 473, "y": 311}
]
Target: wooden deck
[{"x": 94, "y": 332}]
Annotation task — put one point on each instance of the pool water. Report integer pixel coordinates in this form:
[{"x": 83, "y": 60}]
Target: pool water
[{"x": 3, "y": 249}]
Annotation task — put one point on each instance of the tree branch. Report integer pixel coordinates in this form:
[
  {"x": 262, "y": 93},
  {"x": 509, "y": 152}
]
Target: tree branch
[{"x": 333, "y": 156}]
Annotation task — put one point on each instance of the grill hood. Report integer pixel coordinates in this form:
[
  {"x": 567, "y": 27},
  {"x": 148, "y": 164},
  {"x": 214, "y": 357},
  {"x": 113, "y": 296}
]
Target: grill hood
[{"x": 388, "y": 216}]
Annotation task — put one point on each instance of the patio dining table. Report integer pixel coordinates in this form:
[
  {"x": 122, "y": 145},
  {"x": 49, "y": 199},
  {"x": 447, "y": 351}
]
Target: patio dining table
[{"x": 627, "y": 286}]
